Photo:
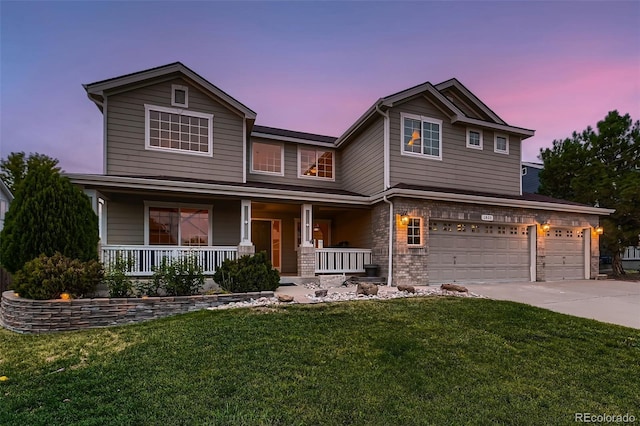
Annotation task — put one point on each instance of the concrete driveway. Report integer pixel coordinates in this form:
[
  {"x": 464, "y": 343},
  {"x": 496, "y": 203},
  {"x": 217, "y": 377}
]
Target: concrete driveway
[{"x": 616, "y": 302}]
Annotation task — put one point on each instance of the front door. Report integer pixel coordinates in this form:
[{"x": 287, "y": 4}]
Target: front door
[{"x": 266, "y": 236}]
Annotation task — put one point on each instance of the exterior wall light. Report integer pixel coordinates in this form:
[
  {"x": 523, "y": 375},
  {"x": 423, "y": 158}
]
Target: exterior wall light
[
  {"x": 404, "y": 218},
  {"x": 546, "y": 226},
  {"x": 65, "y": 296},
  {"x": 599, "y": 230}
]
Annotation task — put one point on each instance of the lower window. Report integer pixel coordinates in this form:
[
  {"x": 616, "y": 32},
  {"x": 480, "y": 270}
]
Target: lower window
[
  {"x": 414, "y": 231},
  {"x": 179, "y": 226}
]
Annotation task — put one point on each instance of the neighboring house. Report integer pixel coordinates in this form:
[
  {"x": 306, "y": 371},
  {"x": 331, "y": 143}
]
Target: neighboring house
[
  {"x": 6, "y": 197},
  {"x": 531, "y": 183},
  {"x": 531, "y": 177},
  {"x": 425, "y": 184}
]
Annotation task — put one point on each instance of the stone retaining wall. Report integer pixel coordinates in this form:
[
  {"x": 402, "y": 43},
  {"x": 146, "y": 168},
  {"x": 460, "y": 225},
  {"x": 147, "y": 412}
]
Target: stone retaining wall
[{"x": 37, "y": 316}]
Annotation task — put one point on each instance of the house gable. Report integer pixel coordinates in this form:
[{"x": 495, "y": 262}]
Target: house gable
[{"x": 168, "y": 120}]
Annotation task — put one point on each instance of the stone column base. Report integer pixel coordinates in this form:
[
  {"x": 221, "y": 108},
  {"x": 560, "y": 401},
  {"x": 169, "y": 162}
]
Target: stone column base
[
  {"x": 306, "y": 262},
  {"x": 245, "y": 250}
]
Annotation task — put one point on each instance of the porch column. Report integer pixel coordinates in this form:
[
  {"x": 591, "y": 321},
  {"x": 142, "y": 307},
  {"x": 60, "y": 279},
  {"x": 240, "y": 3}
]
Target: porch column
[
  {"x": 541, "y": 252},
  {"x": 245, "y": 247},
  {"x": 306, "y": 251}
]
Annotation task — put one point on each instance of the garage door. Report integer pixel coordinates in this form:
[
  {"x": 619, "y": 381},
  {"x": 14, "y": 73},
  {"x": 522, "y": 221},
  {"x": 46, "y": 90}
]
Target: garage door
[
  {"x": 477, "y": 252},
  {"x": 564, "y": 254}
]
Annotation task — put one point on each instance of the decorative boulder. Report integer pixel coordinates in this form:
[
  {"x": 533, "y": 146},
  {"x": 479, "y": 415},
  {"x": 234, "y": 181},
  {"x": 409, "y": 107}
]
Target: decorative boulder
[
  {"x": 368, "y": 289},
  {"x": 454, "y": 287},
  {"x": 321, "y": 293},
  {"x": 285, "y": 298},
  {"x": 407, "y": 288}
]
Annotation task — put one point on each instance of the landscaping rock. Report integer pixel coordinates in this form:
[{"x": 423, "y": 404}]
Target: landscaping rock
[
  {"x": 368, "y": 289},
  {"x": 407, "y": 288},
  {"x": 285, "y": 298},
  {"x": 454, "y": 287},
  {"x": 321, "y": 293}
]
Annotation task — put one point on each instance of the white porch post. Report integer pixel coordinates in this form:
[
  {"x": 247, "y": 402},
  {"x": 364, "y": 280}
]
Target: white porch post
[
  {"x": 307, "y": 225},
  {"x": 306, "y": 251},
  {"x": 245, "y": 247}
]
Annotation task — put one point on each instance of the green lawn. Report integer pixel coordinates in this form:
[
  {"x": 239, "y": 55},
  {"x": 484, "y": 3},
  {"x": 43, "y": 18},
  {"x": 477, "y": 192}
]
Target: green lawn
[{"x": 398, "y": 362}]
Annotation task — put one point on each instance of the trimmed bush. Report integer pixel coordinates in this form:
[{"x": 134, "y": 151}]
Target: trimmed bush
[
  {"x": 180, "y": 277},
  {"x": 116, "y": 278},
  {"x": 48, "y": 215},
  {"x": 47, "y": 277},
  {"x": 248, "y": 273}
]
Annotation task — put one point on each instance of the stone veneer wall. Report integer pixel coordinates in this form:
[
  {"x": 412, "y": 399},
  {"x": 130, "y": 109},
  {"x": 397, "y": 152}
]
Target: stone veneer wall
[
  {"x": 411, "y": 265},
  {"x": 37, "y": 316}
]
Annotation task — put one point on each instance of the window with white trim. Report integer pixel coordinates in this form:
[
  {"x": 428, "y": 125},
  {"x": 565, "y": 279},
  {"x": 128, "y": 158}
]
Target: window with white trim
[
  {"x": 501, "y": 144},
  {"x": 414, "y": 231},
  {"x": 267, "y": 158},
  {"x": 171, "y": 129},
  {"x": 474, "y": 138},
  {"x": 179, "y": 225},
  {"x": 421, "y": 136},
  {"x": 316, "y": 163},
  {"x": 180, "y": 96}
]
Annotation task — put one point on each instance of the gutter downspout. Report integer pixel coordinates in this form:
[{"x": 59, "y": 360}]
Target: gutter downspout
[{"x": 386, "y": 183}]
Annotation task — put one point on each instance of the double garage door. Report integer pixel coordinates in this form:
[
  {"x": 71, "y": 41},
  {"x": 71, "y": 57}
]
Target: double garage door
[{"x": 481, "y": 252}]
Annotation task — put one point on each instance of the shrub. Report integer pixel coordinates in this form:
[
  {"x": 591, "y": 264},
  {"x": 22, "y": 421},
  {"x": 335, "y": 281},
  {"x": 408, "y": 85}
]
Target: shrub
[
  {"x": 47, "y": 277},
  {"x": 180, "y": 277},
  {"x": 248, "y": 273},
  {"x": 48, "y": 215},
  {"x": 116, "y": 278}
]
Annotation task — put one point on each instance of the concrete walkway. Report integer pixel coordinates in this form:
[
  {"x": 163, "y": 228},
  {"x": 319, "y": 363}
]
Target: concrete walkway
[{"x": 615, "y": 302}]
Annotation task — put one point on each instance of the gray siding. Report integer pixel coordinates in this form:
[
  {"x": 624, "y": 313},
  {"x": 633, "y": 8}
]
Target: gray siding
[
  {"x": 125, "y": 221},
  {"x": 291, "y": 168},
  {"x": 126, "y": 154},
  {"x": 226, "y": 222},
  {"x": 362, "y": 162},
  {"x": 460, "y": 167}
]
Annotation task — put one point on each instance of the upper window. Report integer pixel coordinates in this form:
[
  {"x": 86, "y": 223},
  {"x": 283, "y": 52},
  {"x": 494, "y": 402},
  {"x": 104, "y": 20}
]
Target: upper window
[
  {"x": 501, "y": 144},
  {"x": 474, "y": 138},
  {"x": 183, "y": 226},
  {"x": 180, "y": 96},
  {"x": 316, "y": 163},
  {"x": 414, "y": 231},
  {"x": 421, "y": 136},
  {"x": 267, "y": 158},
  {"x": 172, "y": 129}
]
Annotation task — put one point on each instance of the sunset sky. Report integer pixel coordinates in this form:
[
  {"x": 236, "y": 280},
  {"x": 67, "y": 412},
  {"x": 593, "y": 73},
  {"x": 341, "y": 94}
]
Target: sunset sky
[{"x": 316, "y": 67}]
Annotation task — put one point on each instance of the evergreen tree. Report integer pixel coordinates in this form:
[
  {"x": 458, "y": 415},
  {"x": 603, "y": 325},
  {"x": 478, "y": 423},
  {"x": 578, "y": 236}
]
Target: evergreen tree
[
  {"x": 600, "y": 169},
  {"x": 14, "y": 168},
  {"x": 48, "y": 215}
]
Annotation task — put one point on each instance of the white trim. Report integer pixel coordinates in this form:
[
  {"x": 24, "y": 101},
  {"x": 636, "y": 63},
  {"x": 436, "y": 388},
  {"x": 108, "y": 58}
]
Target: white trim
[
  {"x": 422, "y": 119},
  {"x": 104, "y": 135},
  {"x": 469, "y": 130},
  {"x": 245, "y": 223},
  {"x": 387, "y": 152},
  {"x": 533, "y": 251},
  {"x": 245, "y": 141},
  {"x": 165, "y": 204},
  {"x": 263, "y": 172},
  {"x": 586, "y": 236},
  {"x": 175, "y": 87},
  {"x": 333, "y": 163},
  {"x": 470, "y": 96},
  {"x": 306, "y": 214},
  {"x": 421, "y": 243},
  {"x": 147, "y": 144},
  {"x": 495, "y": 143}
]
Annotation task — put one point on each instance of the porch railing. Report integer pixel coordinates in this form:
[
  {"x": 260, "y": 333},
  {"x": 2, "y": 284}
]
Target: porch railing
[
  {"x": 342, "y": 260},
  {"x": 631, "y": 253},
  {"x": 142, "y": 259}
]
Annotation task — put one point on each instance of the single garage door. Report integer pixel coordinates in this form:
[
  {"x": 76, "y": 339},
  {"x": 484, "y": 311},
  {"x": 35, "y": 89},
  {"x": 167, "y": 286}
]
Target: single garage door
[
  {"x": 477, "y": 252},
  {"x": 564, "y": 254}
]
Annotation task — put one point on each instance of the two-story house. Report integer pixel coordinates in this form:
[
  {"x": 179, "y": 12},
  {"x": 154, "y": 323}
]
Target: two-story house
[{"x": 425, "y": 184}]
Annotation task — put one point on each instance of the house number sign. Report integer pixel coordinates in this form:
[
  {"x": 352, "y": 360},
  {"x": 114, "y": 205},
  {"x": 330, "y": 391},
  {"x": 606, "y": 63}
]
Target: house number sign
[{"x": 487, "y": 217}]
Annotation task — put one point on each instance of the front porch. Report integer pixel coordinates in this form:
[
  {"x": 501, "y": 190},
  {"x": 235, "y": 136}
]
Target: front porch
[{"x": 143, "y": 258}]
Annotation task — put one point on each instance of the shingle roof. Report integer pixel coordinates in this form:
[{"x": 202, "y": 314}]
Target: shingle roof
[{"x": 293, "y": 134}]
